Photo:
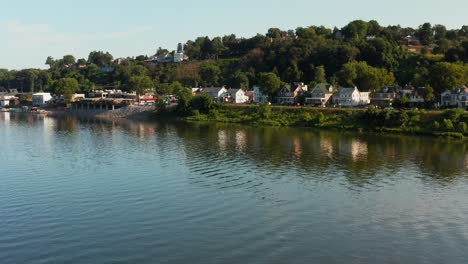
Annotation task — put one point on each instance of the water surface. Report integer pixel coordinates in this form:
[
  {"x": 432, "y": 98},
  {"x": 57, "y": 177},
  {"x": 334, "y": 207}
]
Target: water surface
[{"x": 84, "y": 191}]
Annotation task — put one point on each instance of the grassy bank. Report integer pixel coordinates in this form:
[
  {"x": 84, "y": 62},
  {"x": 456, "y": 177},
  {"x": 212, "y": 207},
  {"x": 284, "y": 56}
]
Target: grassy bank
[{"x": 451, "y": 123}]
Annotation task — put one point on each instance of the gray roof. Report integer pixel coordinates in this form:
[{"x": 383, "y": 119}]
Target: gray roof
[
  {"x": 388, "y": 89},
  {"x": 212, "y": 90},
  {"x": 347, "y": 91},
  {"x": 324, "y": 87}
]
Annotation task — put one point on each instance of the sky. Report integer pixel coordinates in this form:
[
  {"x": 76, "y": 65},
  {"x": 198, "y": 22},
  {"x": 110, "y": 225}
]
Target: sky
[{"x": 30, "y": 31}]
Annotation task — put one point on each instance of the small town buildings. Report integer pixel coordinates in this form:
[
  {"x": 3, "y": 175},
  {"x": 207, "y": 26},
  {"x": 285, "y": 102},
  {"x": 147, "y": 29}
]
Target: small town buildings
[
  {"x": 455, "y": 98},
  {"x": 41, "y": 99},
  {"x": 236, "y": 96},
  {"x": 259, "y": 97},
  {"x": 350, "y": 97},
  {"x": 385, "y": 96},
  {"x": 320, "y": 95},
  {"x": 216, "y": 93},
  {"x": 289, "y": 95}
]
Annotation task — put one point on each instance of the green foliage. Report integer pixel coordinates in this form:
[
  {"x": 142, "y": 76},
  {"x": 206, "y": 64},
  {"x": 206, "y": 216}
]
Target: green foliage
[
  {"x": 462, "y": 127},
  {"x": 140, "y": 84},
  {"x": 66, "y": 87},
  {"x": 100, "y": 58},
  {"x": 448, "y": 125},
  {"x": 366, "y": 77},
  {"x": 209, "y": 73},
  {"x": 445, "y": 75},
  {"x": 269, "y": 83},
  {"x": 203, "y": 103},
  {"x": 362, "y": 54}
]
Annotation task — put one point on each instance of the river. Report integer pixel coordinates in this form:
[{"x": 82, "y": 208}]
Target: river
[{"x": 89, "y": 191}]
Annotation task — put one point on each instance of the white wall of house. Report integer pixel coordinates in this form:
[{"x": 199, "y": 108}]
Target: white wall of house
[
  {"x": 5, "y": 100},
  {"x": 240, "y": 97},
  {"x": 41, "y": 99},
  {"x": 354, "y": 98}
]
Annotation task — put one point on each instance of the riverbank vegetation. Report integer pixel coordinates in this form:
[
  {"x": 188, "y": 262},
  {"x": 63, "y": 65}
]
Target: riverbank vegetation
[{"x": 451, "y": 123}]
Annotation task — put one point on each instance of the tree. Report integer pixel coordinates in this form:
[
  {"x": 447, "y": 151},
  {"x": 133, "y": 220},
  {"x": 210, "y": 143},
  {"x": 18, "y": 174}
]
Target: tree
[
  {"x": 209, "y": 73},
  {"x": 425, "y": 33},
  {"x": 269, "y": 83},
  {"x": 69, "y": 60},
  {"x": 100, "y": 58},
  {"x": 180, "y": 48},
  {"x": 50, "y": 61},
  {"x": 293, "y": 74},
  {"x": 66, "y": 87},
  {"x": 356, "y": 30},
  {"x": 274, "y": 33},
  {"x": 240, "y": 80},
  {"x": 217, "y": 47},
  {"x": 440, "y": 32},
  {"x": 445, "y": 75},
  {"x": 140, "y": 84},
  {"x": 365, "y": 77},
  {"x": 203, "y": 103},
  {"x": 183, "y": 95},
  {"x": 319, "y": 74}
]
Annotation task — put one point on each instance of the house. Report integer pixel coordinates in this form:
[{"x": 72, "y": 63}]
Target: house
[
  {"x": 78, "y": 97},
  {"x": 5, "y": 99},
  {"x": 455, "y": 98},
  {"x": 216, "y": 93},
  {"x": 177, "y": 57},
  {"x": 415, "y": 96},
  {"x": 259, "y": 97},
  {"x": 349, "y": 97},
  {"x": 290, "y": 95},
  {"x": 250, "y": 95},
  {"x": 180, "y": 57},
  {"x": 320, "y": 95},
  {"x": 41, "y": 99},
  {"x": 236, "y": 96},
  {"x": 385, "y": 96}
]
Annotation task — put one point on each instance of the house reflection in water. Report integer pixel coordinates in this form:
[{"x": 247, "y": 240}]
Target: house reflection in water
[
  {"x": 326, "y": 145},
  {"x": 222, "y": 139},
  {"x": 297, "y": 147},
  {"x": 241, "y": 140}
]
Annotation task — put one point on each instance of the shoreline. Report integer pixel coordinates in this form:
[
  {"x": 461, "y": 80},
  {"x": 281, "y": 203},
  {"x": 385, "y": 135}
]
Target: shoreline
[{"x": 298, "y": 117}]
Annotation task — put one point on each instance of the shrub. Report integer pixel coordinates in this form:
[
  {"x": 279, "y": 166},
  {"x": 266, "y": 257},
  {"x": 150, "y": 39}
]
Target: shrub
[
  {"x": 448, "y": 125},
  {"x": 462, "y": 127},
  {"x": 203, "y": 103}
]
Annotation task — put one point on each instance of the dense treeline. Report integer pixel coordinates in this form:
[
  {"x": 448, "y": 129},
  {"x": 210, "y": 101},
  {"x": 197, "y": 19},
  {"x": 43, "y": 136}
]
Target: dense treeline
[{"x": 362, "y": 53}]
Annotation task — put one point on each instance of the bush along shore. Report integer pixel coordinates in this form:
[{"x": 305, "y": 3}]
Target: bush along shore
[{"x": 447, "y": 123}]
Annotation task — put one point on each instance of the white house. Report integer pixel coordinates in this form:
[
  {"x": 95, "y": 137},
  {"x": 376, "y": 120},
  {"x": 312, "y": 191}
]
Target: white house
[
  {"x": 259, "y": 96},
  {"x": 41, "y": 99},
  {"x": 5, "y": 100},
  {"x": 180, "y": 57},
  {"x": 320, "y": 95},
  {"x": 349, "y": 97},
  {"x": 217, "y": 93},
  {"x": 236, "y": 96},
  {"x": 455, "y": 98}
]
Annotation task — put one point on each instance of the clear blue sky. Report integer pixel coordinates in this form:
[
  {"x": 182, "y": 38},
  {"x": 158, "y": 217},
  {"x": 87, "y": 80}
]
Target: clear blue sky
[{"x": 32, "y": 30}]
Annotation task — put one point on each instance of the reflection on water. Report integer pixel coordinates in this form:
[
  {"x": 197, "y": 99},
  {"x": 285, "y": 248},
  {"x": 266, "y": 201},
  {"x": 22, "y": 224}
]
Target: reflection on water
[{"x": 93, "y": 191}]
